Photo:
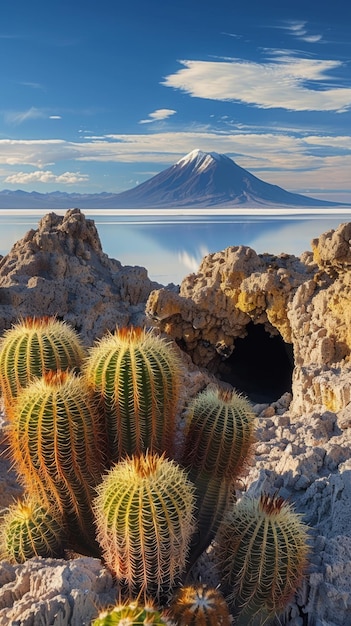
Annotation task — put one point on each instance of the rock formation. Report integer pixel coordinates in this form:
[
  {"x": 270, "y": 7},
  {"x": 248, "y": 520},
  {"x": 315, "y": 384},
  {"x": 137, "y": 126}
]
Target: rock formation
[
  {"x": 275, "y": 327},
  {"x": 60, "y": 269}
]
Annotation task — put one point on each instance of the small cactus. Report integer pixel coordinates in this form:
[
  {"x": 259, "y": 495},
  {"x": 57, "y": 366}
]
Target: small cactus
[
  {"x": 32, "y": 347},
  {"x": 200, "y": 605},
  {"x": 30, "y": 529},
  {"x": 262, "y": 554},
  {"x": 57, "y": 441},
  {"x": 132, "y": 614},
  {"x": 144, "y": 517},
  {"x": 219, "y": 433},
  {"x": 138, "y": 377}
]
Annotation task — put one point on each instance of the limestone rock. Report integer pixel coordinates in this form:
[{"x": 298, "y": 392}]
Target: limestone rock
[
  {"x": 60, "y": 269},
  {"x": 54, "y": 592}
]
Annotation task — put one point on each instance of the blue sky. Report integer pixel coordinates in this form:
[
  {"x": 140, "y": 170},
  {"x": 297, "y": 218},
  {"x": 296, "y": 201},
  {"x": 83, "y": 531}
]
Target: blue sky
[{"x": 100, "y": 95}]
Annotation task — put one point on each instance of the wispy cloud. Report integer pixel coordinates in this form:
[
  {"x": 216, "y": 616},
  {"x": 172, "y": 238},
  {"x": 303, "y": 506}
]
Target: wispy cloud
[
  {"x": 280, "y": 82},
  {"x": 40, "y": 176},
  {"x": 18, "y": 117},
  {"x": 291, "y": 161},
  {"x": 299, "y": 30},
  {"x": 158, "y": 115}
]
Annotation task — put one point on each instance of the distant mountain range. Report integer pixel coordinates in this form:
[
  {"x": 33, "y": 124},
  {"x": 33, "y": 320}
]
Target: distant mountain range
[{"x": 199, "y": 179}]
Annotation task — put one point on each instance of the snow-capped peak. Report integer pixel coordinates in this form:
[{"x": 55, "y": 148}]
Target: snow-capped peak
[{"x": 200, "y": 159}]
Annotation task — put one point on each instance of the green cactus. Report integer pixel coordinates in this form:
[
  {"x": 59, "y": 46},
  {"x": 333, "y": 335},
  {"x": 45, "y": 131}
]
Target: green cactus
[
  {"x": 30, "y": 529},
  {"x": 32, "y": 347},
  {"x": 144, "y": 517},
  {"x": 133, "y": 614},
  {"x": 200, "y": 605},
  {"x": 138, "y": 376},
  {"x": 219, "y": 435},
  {"x": 262, "y": 555},
  {"x": 57, "y": 441}
]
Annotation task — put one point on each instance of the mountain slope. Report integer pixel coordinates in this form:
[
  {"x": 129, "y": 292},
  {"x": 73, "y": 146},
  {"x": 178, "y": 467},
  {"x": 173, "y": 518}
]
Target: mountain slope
[{"x": 199, "y": 179}]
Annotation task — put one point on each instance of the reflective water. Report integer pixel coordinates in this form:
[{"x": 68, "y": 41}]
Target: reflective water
[{"x": 171, "y": 246}]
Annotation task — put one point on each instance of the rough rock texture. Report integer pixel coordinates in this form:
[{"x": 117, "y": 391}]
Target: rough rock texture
[
  {"x": 60, "y": 269},
  {"x": 303, "y": 447},
  {"x": 306, "y": 301},
  {"x": 49, "y": 592}
]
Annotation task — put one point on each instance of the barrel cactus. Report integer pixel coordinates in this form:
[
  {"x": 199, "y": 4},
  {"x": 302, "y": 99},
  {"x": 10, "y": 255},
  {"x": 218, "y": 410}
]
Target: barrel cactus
[
  {"x": 262, "y": 548},
  {"x": 200, "y": 605},
  {"x": 137, "y": 374},
  {"x": 30, "y": 529},
  {"x": 32, "y": 347},
  {"x": 57, "y": 441},
  {"x": 133, "y": 613},
  {"x": 219, "y": 435},
  {"x": 144, "y": 516}
]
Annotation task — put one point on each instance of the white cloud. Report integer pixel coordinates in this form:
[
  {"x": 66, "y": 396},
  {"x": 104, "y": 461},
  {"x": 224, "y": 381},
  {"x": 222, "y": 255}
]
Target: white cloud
[
  {"x": 294, "y": 162},
  {"x": 299, "y": 30},
  {"x": 158, "y": 115},
  {"x": 55, "y": 117},
  {"x": 18, "y": 117},
  {"x": 277, "y": 83},
  {"x": 25, "y": 178}
]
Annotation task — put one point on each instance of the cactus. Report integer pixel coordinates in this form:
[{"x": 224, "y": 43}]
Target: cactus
[
  {"x": 262, "y": 554},
  {"x": 138, "y": 376},
  {"x": 219, "y": 433},
  {"x": 144, "y": 517},
  {"x": 57, "y": 440},
  {"x": 30, "y": 529},
  {"x": 32, "y": 347},
  {"x": 200, "y": 605},
  {"x": 133, "y": 613},
  {"x": 218, "y": 438}
]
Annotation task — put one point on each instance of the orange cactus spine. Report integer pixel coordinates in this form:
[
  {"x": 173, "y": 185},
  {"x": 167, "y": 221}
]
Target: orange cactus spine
[
  {"x": 34, "y": 346},
  {"x": 144, "y": 516},
  {"x": 200, "y": 605},
  {"x": 138, "y": 377},
  {"x": 262, "y": 548},
  {"x": 57, "y": 441}
]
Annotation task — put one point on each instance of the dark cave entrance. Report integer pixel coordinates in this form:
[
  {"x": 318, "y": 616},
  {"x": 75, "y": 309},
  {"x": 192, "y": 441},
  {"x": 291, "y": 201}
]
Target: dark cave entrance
[{"x": 260, "y": 366}]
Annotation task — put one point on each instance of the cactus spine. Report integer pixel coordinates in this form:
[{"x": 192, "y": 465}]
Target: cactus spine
[
  {"x": 144, "y": 516},
  {"x": 262, "y": 554},
  {"x": 138, "y": 376},
  {"x": 30, "y": 529},
  {"x": 133, "y": 614},
  {"x": 219, "y": 433},
  {"x": 32, "y": 347},
  {"x": 218, "y": 437},
  {"x": 200, "y": 605},
  {"x": 57, "y": 439}
]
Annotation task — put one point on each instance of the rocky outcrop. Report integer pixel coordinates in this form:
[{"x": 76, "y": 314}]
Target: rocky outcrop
[
  {"x": 304, "y": 433},
  {"x": 305, "y": 301},
  {"x": 60, "y": 269}
]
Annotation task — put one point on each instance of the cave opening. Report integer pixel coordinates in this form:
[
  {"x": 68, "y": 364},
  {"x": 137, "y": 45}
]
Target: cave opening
[{"x": 260, "y": 366}]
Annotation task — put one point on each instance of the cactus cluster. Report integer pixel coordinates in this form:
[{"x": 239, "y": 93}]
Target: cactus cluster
[{"x": 91, "y": 434}]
